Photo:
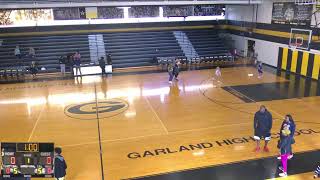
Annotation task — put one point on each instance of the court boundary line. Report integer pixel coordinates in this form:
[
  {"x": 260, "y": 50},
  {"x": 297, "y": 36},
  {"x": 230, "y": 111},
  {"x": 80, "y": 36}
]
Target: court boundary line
[
  {"x": 253, "y": 101},
  {"x": 203, "y": 92},
  {"x": 157, "y": 117},
  {"x": 176, "y": 132},
  {"x": 258, "y": 103},
  {"x": 99, "y": 133},
  {"x": 36, "y": 124}
]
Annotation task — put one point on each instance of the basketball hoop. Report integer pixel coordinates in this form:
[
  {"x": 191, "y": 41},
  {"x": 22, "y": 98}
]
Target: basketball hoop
[{"x": 294, "y": 46}]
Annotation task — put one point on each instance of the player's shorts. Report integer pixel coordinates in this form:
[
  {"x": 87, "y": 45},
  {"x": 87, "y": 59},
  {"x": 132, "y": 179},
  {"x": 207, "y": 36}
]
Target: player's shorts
[{"x": 262, "y": 135}]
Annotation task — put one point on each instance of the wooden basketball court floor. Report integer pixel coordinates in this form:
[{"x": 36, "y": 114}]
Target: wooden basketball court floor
[{"x": 147, "y": 126}]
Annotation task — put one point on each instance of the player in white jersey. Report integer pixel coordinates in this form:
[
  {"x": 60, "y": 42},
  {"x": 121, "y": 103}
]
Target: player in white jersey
[{"x": 217, "y": 74}]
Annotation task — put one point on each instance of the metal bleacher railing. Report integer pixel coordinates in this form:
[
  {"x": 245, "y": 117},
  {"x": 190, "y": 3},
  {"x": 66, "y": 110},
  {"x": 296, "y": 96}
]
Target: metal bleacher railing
[
  {"x": 94, "y": 1},
  {"x": 306, "y": 2},
  {"x": 219, "y": 59}
]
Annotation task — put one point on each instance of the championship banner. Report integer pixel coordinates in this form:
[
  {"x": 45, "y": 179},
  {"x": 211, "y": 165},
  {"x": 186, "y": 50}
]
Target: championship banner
[
  {"x": 91, "y": 12},
  {"x": 291, "y": 13},
  {"x": 88, "y": 13}
]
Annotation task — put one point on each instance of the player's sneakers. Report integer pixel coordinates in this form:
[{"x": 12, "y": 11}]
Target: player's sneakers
[
  {"x": 257, "y": 149},
  {"x": 170, "y": 82},
  {"x": 283, "y": 174},
  {"x": 315, "y": 176},
  {"x": 289, "y": 157},
  {"x": 280, "y": 168},
  {"x": 266, "y": 149}
]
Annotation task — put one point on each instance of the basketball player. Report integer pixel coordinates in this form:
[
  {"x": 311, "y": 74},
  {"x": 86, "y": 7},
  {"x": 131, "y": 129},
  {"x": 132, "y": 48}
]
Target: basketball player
[
  {"x": 262, "y": 127},
  {"x": 176, "y": 70},
  {"x": 170, "y": 72},
  {"x": 60, "y": 165},
  {"x": 217, "y": 74},
  {"x": 260, "y": 72}
]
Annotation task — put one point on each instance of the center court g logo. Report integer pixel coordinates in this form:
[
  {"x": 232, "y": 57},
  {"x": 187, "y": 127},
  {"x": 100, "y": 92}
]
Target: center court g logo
[{"x": 105, "y": 109}]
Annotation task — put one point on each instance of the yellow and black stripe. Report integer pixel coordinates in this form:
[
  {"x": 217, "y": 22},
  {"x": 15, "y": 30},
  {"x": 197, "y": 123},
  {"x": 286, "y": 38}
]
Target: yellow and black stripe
[{"x": 299, "y": 62}]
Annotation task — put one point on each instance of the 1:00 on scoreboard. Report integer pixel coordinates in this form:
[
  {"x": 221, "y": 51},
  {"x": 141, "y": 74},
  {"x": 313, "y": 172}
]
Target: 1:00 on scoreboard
[{"x": 27, "y": 147}]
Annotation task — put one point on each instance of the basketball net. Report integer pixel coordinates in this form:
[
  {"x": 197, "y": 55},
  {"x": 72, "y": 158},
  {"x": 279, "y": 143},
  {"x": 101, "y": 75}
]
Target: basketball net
[{"x": 294, "y": 46}]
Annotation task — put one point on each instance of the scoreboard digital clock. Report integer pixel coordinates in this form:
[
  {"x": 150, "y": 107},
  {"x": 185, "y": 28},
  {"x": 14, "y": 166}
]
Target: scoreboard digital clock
[{"x": 27, "y": 159}]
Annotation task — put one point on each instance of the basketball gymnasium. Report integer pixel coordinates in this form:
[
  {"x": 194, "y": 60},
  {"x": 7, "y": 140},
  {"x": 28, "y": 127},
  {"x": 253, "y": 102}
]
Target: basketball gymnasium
[{"x": 159, "y": 90}]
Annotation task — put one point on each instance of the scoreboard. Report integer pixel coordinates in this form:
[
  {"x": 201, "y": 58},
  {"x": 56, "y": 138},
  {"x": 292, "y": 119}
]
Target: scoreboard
[{"x": 27, "y": 159}]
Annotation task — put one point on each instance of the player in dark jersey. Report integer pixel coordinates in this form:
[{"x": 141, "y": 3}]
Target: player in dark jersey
[
  {"x": 260, "y": 72},
  {"x": 262, "y": 127},
  {"x": 60, "y": 165}
]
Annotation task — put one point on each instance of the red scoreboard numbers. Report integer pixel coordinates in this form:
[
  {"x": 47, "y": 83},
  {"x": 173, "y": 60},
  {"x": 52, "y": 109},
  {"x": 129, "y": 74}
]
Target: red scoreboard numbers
[
  {"x": 49, "y": 160},
  {"x": 13, "y": 160}
]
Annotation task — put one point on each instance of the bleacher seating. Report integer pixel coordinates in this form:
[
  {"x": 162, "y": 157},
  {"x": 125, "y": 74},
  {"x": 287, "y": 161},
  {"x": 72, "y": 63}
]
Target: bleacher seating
[
  {"x": 207, "y": 42},
  {"x": 48, "y": 50},
  {"x": 128, "y": 49},
  {"x": 208, "y": 45},
  {"x": 139, "y": 48}
]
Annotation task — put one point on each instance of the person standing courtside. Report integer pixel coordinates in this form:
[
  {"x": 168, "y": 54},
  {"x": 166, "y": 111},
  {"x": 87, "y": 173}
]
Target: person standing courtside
[
  {"x": 60, "y": 165},
  {"x": 109, "y": 60},
  {"x": 102, "y": 65},
  {"x": 62, "y": 62},
  {"x": 32, "y": 53},
  {"x": 285, "y": 149},
  {"x": 70, "y": 62},
  {"x": 33, "y": 69},
  {"x": 77, "y": 62},
  {"x": 17, "y": 52},
  {"x": 176, "y": 70},
  {"x": 289, "y": 122},
  {"x": 262, "y": 127}
]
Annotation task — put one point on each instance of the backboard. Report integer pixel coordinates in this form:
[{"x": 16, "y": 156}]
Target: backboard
[{"x": 300, "y": 39}]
